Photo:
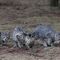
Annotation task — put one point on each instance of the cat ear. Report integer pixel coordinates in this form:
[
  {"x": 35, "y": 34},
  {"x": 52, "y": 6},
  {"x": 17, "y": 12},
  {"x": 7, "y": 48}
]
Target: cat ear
[{"x": 8, "y": 34}]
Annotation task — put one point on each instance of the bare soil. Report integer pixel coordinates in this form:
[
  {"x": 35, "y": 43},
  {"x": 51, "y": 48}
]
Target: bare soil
[{"x": 52, "y": 53}]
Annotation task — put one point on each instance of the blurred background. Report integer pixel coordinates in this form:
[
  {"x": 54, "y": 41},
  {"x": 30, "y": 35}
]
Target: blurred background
[{"x": 29, "y": 13}]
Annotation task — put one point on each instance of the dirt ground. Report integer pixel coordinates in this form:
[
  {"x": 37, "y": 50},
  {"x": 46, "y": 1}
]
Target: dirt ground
[{"x": 52, "y": 53}]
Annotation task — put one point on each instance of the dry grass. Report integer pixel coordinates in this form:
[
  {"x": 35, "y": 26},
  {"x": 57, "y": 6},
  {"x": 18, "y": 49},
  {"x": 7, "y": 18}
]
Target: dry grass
[{"x": 31, "y": 22}]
